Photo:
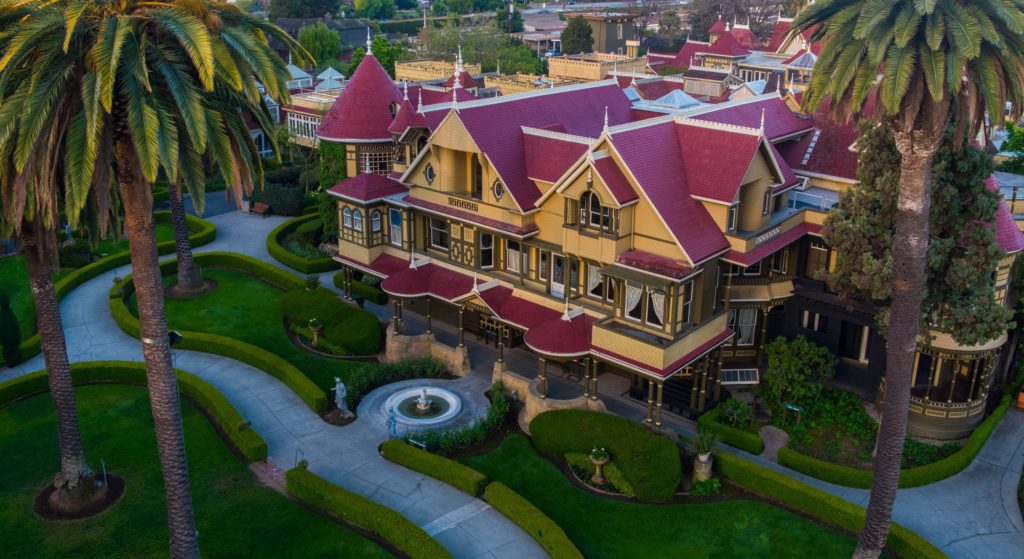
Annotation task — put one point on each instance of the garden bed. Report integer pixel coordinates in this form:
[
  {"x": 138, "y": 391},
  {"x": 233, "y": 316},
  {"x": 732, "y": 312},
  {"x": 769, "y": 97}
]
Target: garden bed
[{"x": 294, "y": 242}]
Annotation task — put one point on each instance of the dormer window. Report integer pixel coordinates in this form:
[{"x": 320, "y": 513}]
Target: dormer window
[
  {"x": 731, "y": 224},
  {"x": 593, "y": 214},
  {"x": 766, "y": 206}
]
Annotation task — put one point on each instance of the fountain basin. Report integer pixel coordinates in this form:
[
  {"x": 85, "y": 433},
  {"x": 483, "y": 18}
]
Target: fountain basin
[{"x": 444, "y": 406}]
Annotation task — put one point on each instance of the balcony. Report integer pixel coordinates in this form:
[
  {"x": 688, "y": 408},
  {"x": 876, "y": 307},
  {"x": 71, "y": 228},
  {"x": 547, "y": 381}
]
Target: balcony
[{"x": 621, "y": 342}]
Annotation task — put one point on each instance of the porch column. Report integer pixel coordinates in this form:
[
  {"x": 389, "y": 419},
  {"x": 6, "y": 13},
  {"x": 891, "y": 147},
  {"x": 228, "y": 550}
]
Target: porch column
[
  {"x": 952, "y": 385},
  {"x": 975, "y": 372},
  {"x": 764, "y": 334},
  {"x": 657, "y": 418},
  {"x": 542, "y": 376},
  {"x": 702, "y": 399},
  {"x": 650, "y": 401},
  {"x": 348, "y": 283},
  {"x": 586, "y": 377},
  {"x": 501, "y": 344},
  {"x": 462, "y": 334},
  {"x": 430, "y": 329},
  {"x": 695, "y": 377},
  {"x": 593, "y": 377},
  {"x": 401, "y": 319},
  {"x": 394, "y": 316},
  {"x": 718, "y": 374}
]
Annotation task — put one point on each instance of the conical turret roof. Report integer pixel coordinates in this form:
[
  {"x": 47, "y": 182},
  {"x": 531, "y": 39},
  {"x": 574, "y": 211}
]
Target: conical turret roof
[{"x": 362, "y": 112}]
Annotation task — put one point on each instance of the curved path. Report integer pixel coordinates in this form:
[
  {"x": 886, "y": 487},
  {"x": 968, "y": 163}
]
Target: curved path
[{"x": 347, "y": 456}]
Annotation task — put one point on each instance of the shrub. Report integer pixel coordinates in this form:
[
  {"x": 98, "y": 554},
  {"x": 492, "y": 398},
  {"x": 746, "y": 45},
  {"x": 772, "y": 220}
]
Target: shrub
[
  {"x": 741, "y": 439},
  {"x": 707, "y": 487},
  {"x": 345, "y": 326},
  {"x": 457, "y": 475},
  {"x": 308, "y": 234},
  {"x": 312, "y": 281},
  {"x": 287, "y": 175},
  {"x": 476, "y": 432},
  {"x": 531, "y": 519},
  {"x": 10, "y": 332},
  {"x": 649, "y": 462},
  {"x": 75, "y": 255},
  {"x": 827, "y": 471},
  {"x": 371, "y": 375},
  {"x": 218, "y": 408},
  {"x": 583, "y": 465},
  {"x": 736, "y": 412},
  {"x": 391, "y": 526},
  {"x": 283, "y": 200},
  {"x": 305, "y": 265},
  {"x": 797, "y": 370},
  {"x": 825, "y": 507},
  {"x": 368, "y": 288},
  {"x": 327, "y": 207}
]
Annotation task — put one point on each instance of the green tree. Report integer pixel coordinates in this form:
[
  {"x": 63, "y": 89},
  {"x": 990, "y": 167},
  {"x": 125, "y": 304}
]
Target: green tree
[
  {"x": 962, "y": 251},
  {"x": 577, "y": 37},
  {"x": 302, "y": 8},
  {"x": 928, "y": 52},
  {"x": 322, "y": 42},
  {"x": 386, "y": 52},
  {"x": 1014, "y": 144},
  {"x": 376, "y": 9},
  {"x": 797, "y": 371},
  {"x": 117, "y": 93},
  {"x": 508, "y": 23},
  {"x": 669, "y": 22},
  {"x": 458, "y": 6},
  {"x": 516, "y": 57}
]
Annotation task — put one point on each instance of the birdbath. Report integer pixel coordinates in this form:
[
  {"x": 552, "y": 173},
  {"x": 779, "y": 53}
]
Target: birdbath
[
  {"x": 315, "y": 326},
  {"x": 599, "y": 456}
]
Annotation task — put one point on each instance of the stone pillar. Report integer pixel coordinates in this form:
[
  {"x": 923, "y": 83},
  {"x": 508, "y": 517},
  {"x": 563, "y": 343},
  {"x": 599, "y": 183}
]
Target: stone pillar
[
  {"x": 394, "y": 316},
  {"x": 593, "y": 376},
  {"x": 657, "y": 417},
  {"x": 501, "y": 344},
  {"x": 702, "y": 399},
  {"x": 462, "y": 332},
  {"x": 430, "y": 329},
  {"x": 650, "y": 401},
  {"x": 542, "y": 376},
  {"x": 952, "y": 385},
  {"x": 586, "y": 377},
  {"x": 695, "y": 376}
]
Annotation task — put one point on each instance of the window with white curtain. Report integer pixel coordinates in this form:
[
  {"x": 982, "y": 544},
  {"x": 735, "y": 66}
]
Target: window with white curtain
[
  {"x": 513, "y": 257},
  {"x": 743, "y": 322},
  {"x": 655, "y": 307},
  {"x": 594, "y": 287},
  {"x": 634, "y": 300}
]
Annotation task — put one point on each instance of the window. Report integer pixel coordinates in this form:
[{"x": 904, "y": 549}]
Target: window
[
  {"x": 780, "y": 262},
  {"x": 815, "y": 321},
  {"x": 498, "y": 189},
  {"x": 655, "y": 307},
  {"x": 486, "y": 250},
  {"x": 375, "y": 220},
  {"x": 513, "y": 257},
  {"x": 421, "y": 143},
  {"x": 752, "y": 270},
  {"x": 395, "y": 226},
  {"x": 377, "y": 159},
  {"x": 618, "y": 31},
  {"x": 439, "y": 233},
  {"x": 595, "y": 287},
  {"x": 767, "y": 204},
  {"x": 817, "y": 259},
  {"x": 743, "y": 322},
  {"x": 593, "y": 214},
  {"x": 346, "y": 218},
  {"x": 478, "y": 179},
  {"x": 357, "y": 220},
  {"x": 429, "y": 174},
  {"x": 731, "y": 225},
  {"x": 609, "y": 290},
  {"x": 687, "y": 294},
  {"x": 634, "y": 300},
  {"x": 542, "y": 265},
  {"x": 394, "y": 109}
]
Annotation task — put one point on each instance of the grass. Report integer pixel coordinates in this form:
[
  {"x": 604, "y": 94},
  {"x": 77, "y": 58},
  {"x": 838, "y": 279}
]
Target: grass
[
  {"x": 608, "y": 528},
  {"x": 250, "y": 310},
  {"x": 233, "y": 512},
  {"x": 14, "y": 278}
]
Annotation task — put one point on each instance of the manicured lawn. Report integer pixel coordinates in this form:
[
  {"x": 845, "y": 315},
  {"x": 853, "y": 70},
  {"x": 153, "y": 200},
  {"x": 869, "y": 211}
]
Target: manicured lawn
[
  {"x": 247, "y": 309},
  {"x": 235, "y": 515},
  {"x": 14, "y": 278},
  {"x": 603, "y": 527}
]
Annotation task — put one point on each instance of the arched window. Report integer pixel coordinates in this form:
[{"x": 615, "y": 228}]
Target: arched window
[
  {"x": 375, "y": 224},
  {"x": 357, "y": 220},
  {"x": 592, "y": 213},
  {"x": 346, "y": 218},
  {"x": 394, "y": 110}
]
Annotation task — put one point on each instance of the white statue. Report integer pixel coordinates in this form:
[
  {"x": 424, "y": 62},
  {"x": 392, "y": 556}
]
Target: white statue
[{"x": 340, "y": 393}]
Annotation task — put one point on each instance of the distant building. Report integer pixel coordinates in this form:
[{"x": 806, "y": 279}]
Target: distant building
[
  {"x": 613, "y": 33},
  {"x": 594, "y": 66},
  {"x": 508, "y": 84},
  {"x": 351, "y": 31},
  {"x": 425, "y": 70}
]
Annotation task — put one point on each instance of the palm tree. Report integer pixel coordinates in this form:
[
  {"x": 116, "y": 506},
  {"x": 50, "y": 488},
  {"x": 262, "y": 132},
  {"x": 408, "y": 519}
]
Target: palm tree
[
  {"x": 123, "y": 90},
  {"x": 918, "y": 58},
  {"x": 188, "y": 275}
]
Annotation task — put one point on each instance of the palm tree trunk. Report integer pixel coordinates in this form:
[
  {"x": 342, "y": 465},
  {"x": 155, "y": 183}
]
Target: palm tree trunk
[
  {"x": 156, "y": 350},
  {"x": 73, "y": 468},
  {"x": 188, "y": 274},
  {"x": 910, "y": 248}
]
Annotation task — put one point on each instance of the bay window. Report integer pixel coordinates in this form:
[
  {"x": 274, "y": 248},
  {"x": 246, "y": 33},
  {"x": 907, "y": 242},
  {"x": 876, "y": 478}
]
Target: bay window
[{"x": 743, "y": 322}]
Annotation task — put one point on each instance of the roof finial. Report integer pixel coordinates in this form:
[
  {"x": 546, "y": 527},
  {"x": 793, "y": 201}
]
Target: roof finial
[
  {"x": 405, "y": 90},
  {"x": 499, "y": 66},
  {"x": 369, "y": 42},
  {"x": 455, "y": 96},
  {"x": 366, "y": 166},
  {"x": 412, "y": 258},
  {"x": 419, "y": 106},
  {"x": 762, "y": 120},
  {"x": 606, "y": 119},
  {"x": 458, "y": 62}
]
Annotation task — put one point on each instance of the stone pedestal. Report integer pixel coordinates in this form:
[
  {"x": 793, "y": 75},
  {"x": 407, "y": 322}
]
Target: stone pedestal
[{"x": 702, "y": 470}]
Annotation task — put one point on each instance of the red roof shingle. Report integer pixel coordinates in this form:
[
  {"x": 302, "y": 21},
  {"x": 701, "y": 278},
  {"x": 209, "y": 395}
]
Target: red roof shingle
[
  {"x": 367, "y": 187},
  {"x": 362, "y": 112}
]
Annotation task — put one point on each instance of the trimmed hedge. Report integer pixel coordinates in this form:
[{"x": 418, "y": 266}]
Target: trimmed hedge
[
  {"x": 345, "y": 327},
  {"x": 475, "y": 432},
  {"x": 391, "y": 526},
  {"x": 612, "y": 473},
  {"x": 743, "y": 440},
  {"x": 220, "y": 410},
  {"x": 910, "y": 477},
  {"x": 372, "y": 293},
  {"x": 531, "y": 519},
  {"x": 824, "y": 507},
  {"x": 457, "y": 475},
  {"x": 649, "y": 462},
  {"x": 371, "y": 375},
  {"x": 249, "y": 354},
  {"x": 292, "y": 260},
  {"x": 202, "y": 232}
]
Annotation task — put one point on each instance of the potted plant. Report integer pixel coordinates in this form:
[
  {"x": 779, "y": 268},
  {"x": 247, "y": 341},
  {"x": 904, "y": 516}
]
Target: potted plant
[
  {"x": 315, "y": 326},
  {"x": 599, "y": 456},
  {"x": 705, "y": 442},
  {"x": 312, "y": 282}
]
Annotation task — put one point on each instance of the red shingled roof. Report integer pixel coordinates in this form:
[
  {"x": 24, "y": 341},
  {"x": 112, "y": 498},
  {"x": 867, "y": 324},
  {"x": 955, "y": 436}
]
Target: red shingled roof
[
  {"x": 726, "y": 45},
  {"x": 718, "y": 27},
  {"x": 367, "y": 187},
  {"x": 404, "y": 118},
  {"x": 779, "y": 120},
  {"x": 516, "y": 310},
  {"x": 716, "y": 160},
  {"x": 770, "y": 247},
  {"x": 616, "y": 182},
  {"x": 428, "y": 279},
  {"x": 548, "y": 158},
  {"x": 656, "y": 263},
  {"x": 382, "y": 266},
  {"x": 471, "y": 217},
  {"x": 465, "y": 80},
  {"x": 651, "y": 153},
  {"x": 561, "y": 337},
  {"x": 746, "y": 38},
  {"x": 656, "y": 89},
  {"x": 362, "y": 112},
  {"x": 830, "y": 154},
  {"x": 1008, "y": 235},
  {"x": 779, "y": 33},
  {"x": 686, "y": 55}
]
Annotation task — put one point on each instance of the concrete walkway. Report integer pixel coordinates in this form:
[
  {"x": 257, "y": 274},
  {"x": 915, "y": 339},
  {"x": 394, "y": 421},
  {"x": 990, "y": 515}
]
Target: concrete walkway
[
  {"x": 972, "y": 514},
  {"x": 347, "y": 456}
]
